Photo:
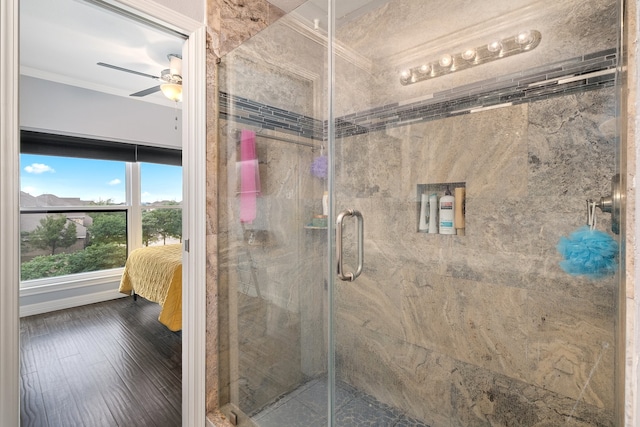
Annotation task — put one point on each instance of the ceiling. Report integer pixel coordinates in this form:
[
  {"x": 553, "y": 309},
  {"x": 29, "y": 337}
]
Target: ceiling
[
  {"x": 346, "y": 10},
  {"x": 63, "y": 40}
]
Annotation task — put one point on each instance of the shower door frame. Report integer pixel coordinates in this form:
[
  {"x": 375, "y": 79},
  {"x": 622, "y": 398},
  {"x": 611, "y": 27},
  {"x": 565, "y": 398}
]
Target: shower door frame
[{"x": 331, "y": 251}]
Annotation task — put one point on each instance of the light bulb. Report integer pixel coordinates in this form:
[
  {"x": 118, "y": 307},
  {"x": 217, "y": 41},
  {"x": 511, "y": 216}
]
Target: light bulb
[
  {"x": 404, "y": 74},
  {"x": 524, "y": 37},
  {"x": 468, "y": 54},
  {"x": 172, "y": 91},
  {"x": 445, "y": 60},
  {"x": 424, "y": 68},
  {"x": 494, "y": 46}
]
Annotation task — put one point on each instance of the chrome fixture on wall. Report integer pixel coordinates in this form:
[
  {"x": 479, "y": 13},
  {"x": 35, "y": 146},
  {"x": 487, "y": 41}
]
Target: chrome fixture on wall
[
  {"x": 524, "y": 41},
  {"x": 611, "y": 204}
]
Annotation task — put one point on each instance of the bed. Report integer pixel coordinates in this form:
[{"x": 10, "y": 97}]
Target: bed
[{"x": 155, "y": 273}]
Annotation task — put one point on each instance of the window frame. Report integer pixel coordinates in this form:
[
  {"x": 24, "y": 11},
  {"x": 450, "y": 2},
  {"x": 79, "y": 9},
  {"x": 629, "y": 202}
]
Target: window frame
[{"x": 133, "y": 207}]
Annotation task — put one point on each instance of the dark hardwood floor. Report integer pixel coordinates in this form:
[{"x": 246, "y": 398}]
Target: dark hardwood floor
[{"x": 106, "y": 364}]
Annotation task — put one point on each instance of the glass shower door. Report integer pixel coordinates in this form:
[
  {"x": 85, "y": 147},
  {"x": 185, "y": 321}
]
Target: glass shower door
[
  {"x": 467, "y": 139},
  {"x": 421, "y": 308},
  {"x": 272, "y": 229}
]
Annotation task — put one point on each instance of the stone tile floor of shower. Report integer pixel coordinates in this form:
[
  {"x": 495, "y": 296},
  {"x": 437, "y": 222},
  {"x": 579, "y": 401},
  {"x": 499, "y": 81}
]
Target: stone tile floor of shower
[{"x": 307, "y": 407}]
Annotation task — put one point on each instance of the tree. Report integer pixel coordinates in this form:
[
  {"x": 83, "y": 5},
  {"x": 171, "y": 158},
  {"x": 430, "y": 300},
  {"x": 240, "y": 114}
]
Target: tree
[
  {"x": 97, "y": 257},
  {"x": 169, "y": 223},
  {"x": 54, "y": 231},
  {"x": 93, "y": 258},
  {"x": 24, "y": 242},
  {"x": 45, "y": 266},
  {"x": 149, "y": 227},
  {"x": 108, "y": 227},
  {"x": 160, "y": 224}
]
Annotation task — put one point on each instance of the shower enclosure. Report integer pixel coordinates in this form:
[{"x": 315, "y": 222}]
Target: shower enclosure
[{"x": 511, "y": 106}]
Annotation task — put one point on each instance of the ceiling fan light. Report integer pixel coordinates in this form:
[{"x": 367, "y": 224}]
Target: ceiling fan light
[{"x": 172, "y": 91}]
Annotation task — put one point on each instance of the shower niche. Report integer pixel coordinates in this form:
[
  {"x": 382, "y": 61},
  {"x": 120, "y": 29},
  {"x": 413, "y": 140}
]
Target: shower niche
[{"x": 440, "y": 208}]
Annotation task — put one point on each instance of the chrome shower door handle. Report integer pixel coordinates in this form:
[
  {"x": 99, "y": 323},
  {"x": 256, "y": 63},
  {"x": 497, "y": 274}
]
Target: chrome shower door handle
[{"x": 349, "y": 277}]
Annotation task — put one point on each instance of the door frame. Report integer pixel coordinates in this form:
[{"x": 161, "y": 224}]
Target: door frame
[{"x": 194, "y": 206}]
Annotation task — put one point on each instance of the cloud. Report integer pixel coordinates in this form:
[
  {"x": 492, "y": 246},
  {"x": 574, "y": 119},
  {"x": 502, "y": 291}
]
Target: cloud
[
  {"x": 30, "y": 190},
  {"x": 114, "y": 182},
  {"x": 38, "y": 168}
]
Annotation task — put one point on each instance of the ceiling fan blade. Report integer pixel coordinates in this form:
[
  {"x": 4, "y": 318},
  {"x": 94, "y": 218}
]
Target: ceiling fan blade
[
  {"x": 147, "y": 91},
  {"x": 126, "y": 70}
]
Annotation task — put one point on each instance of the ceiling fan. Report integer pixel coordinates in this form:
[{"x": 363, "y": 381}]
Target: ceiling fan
[{"x": 170, "y": 79}]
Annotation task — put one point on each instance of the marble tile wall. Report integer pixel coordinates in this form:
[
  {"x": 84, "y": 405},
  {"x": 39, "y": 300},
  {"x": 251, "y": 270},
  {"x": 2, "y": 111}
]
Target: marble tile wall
[
  {"x": 574, "y": 75},
  {"x": 431, "y": 309},
  {"x": 402, "y": 41},
  {"x": 628, "y": 333},
  {"x": 231, "y": 22}
]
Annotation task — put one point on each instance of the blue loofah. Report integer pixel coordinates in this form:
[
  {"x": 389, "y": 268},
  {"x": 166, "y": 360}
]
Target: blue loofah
[{"x": 590, "y": 253}]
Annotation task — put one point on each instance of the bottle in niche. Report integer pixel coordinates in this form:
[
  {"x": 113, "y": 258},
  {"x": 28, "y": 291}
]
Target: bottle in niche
[
  {"x": 423, "y": 224},
  {"x": 459, "y": 195},
  {"x": 447, "y": 215},
  {"x": 433, "y": 214}
]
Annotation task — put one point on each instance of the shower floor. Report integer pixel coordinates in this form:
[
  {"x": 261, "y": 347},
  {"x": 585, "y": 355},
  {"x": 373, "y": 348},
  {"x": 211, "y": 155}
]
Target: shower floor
[{"x": 307, "y": 406}]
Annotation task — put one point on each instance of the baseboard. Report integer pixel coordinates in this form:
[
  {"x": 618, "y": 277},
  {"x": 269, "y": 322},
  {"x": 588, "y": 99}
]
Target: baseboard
[{"x": 69, "y": 302}]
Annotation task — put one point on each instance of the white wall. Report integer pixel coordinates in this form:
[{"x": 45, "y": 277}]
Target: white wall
[
  {"x": 194, "y": 9},
  {"x": 72, "y": 292},
  {"x": 69, "y": 110}
]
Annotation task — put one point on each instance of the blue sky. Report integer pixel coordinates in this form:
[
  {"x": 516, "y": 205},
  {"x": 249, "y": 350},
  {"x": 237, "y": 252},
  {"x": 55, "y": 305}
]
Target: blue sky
[{"x": 96, "y": 180}]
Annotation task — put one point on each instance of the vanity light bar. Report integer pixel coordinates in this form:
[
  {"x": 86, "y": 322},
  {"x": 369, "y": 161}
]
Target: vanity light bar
[{"x": 524, "y": 41}]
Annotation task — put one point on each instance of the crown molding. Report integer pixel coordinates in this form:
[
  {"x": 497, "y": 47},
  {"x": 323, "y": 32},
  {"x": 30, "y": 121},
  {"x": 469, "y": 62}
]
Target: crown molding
[{"x": 296, "y": 23}]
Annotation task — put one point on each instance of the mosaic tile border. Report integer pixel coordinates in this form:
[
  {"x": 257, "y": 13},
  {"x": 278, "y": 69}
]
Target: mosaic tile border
[
  {"x": 266, "y": 117},
  {"x": 588, "y": 72}
]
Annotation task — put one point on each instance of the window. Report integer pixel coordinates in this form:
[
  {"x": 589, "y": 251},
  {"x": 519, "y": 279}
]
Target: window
[
  {"x": 79, "y": 214},
  {"x": 57, "y": 243},
  {"x": 161, "y": 200}
]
